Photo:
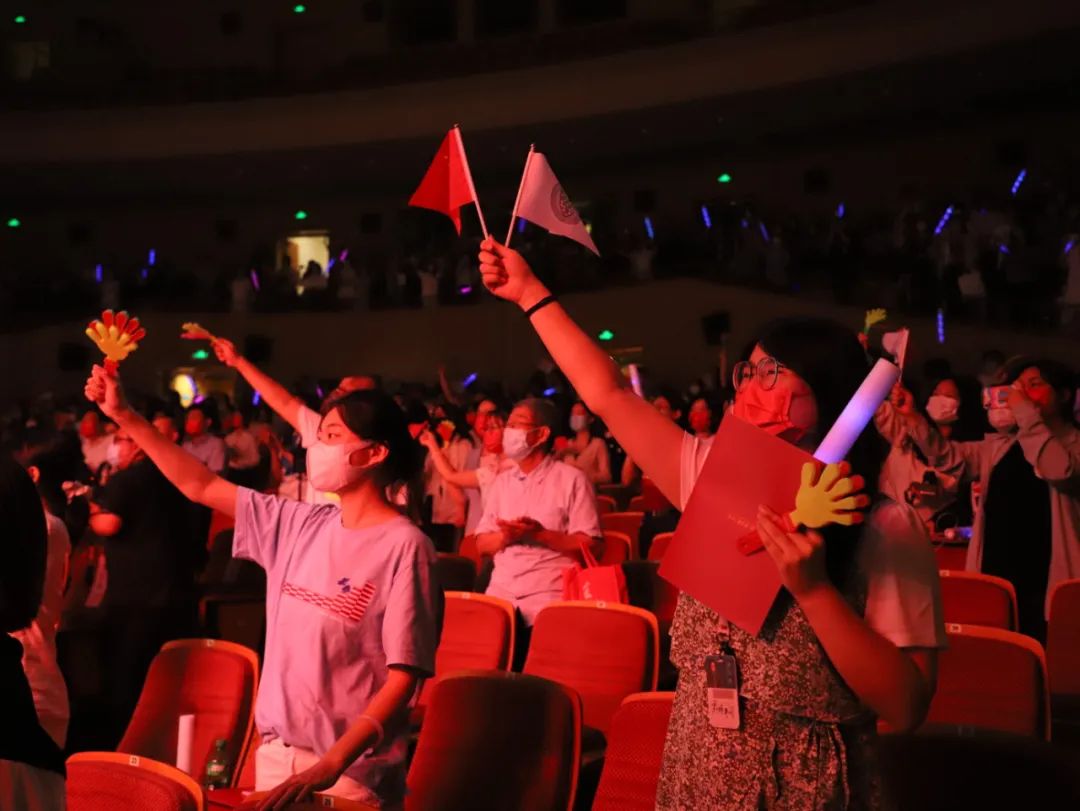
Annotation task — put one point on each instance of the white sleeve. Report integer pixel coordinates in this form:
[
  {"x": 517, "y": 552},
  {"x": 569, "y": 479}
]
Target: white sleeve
[
  {"x": 307, "y": 421},
  {"x": 692, "y": 460},
  {"x": 903, "y": 601}
]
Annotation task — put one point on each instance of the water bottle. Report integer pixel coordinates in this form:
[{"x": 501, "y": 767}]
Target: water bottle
[{"x": 218, "y": 766}]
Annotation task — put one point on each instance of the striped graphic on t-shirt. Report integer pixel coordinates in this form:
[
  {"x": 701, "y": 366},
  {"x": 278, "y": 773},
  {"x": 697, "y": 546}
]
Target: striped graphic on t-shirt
[{"x": 350, "y": 605}]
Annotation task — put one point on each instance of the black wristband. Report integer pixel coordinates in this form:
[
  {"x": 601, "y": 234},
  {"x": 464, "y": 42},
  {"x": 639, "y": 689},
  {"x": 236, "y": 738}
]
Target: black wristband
[{"x": 541, "y": 304}]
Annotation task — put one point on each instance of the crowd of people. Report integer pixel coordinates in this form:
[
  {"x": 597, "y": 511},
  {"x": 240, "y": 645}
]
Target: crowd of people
[
  {"x": 344, "y": 502},
  {"x": 996, "y": 258}
]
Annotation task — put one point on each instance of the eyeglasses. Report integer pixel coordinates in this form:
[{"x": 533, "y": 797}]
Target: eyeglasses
[{"x": 767, "y": 371}]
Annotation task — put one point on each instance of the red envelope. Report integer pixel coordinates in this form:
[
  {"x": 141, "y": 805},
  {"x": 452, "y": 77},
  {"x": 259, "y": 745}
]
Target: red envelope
[{"x": 745, "y": 468}]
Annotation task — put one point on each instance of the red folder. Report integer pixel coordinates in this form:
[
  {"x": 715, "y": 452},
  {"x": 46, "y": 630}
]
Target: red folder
[{"x": 745, "y": 468}]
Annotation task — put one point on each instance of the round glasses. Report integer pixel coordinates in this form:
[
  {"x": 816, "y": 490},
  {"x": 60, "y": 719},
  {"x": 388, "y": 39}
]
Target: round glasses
[{"x": 767, "y": 370}]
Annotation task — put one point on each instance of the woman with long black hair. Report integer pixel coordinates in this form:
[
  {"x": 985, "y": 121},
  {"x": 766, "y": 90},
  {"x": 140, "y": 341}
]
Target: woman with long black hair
[
  {"x": 353, "y": 605},
  {"x": 854, "y": 636}
]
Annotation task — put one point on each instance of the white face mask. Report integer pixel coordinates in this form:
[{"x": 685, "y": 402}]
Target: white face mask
[
  {"x": 329, "y": 469},
  {"x": 943, "y": 410},
  {"x": 1001, "y": 418},
  {"x": 516, "y": 444},
  {"x": 112, "y": 456},
  {"x": 577, "y": 422}
]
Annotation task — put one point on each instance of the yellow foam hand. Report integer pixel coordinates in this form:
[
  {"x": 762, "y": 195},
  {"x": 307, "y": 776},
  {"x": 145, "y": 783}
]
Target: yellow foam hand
[
  {"x": 875, "y": 316},
  {"x": 196, "y": 332},
  {"x": 116, "y": 335},
  {"x": 833, "y": 498}
]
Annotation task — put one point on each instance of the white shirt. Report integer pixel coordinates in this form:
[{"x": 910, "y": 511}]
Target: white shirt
[
  {"x": 560, "y": 498},
  {"x": 39, "y": 640},
  {"x": 903, "y": 601},
  {"x": 444, "y": 509},
  {"x": 208, "y": 449},
  {"x": 96, "y": 451}
]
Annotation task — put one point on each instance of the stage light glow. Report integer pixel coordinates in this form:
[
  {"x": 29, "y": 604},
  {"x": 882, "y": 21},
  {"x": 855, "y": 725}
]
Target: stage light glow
[
  {"x": 724, "y": 178},
  {"x": 840, "y": 211},
  {"x": 649, "y": 228},
  {"x": 20, "y": 19},
  {"x": 99, "y": 274},
  {"x": 254, "y": 279},
  {"x": 152, "y": 258},
  {"x": 705, "y": 217},
  {"x": 256, "y": 398},
  {"x": 14, "y": 222},
  {"x": 606, "y": 335},
  {"x": 300, "y": 215},
  {"x": 200, "y": 354},
  {"x": 468, "y": 381},
  {"x": 299, "y": 8},
  {"x": 549, "y": 392},
  {"x": 184, "y": 385}
]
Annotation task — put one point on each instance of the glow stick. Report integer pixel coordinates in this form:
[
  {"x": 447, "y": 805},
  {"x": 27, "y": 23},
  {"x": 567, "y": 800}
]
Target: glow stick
[
  {"x": 943, "y": 221},
  {"x": 185, "y": 739},
  {"x": 858, "y": 412},
  {"x": 635, "y": 380}
]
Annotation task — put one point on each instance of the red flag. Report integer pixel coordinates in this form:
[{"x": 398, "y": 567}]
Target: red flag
[
  {"x": 541, "y": 200},
  {"x": 448, "y": 185}
]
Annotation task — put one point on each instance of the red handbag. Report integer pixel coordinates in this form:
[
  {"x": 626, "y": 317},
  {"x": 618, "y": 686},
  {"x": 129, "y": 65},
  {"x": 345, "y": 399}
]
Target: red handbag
[{"x": 594, "y": 582}]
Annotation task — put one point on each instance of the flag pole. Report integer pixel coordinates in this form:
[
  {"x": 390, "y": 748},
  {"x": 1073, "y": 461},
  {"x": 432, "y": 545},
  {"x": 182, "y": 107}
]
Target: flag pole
[
  {"x": 468, "y": 174},
  {"x": 517, "y": 200}
]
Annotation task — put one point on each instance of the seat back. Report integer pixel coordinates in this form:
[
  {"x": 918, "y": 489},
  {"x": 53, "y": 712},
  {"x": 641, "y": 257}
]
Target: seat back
[
  {"x": 972, "y": 598},
  {"x": 106, "y": 781},
  {"x": 637, "y": 504},
  {"x": 990, "y": 679},
  {"x": 477, "y": 634},
  {"x": 1063, "y": 639},
  {"x": 497, "y": 741},
  {"x": 660, "y": 543},
  {"x": 952, "y": 557},
  {"x": 213, "y": 680},
  {"x": 617, "y": 549},
  {"x": 467, "y": 549},
  {"x": 628, "y": 523},
  {"x": 603, "y": 651},
  {"x": 634, "y": 753},
  {"x": 456, "y": 572},
  {"x": 606, "y": 504}
]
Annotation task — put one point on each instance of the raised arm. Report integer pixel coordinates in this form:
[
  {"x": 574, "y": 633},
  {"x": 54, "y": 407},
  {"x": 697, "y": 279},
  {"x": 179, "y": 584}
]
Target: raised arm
[
  {"x": 1054, "y": 461},
  {"x": 458, "y": 478},
  {"x": 653, "y": 441},
  {"x": 187, "y": 473},
  {"x": 281, "y": 400}
]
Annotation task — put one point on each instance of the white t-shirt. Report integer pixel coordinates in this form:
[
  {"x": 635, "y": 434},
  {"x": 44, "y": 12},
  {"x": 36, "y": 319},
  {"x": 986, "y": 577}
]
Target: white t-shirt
[
  {"x": 560, "y": 498},
  {"x": 307, "y": 425},
  {"x": 903, "y": 601},
  {"x": 444, "y": 508},
  {"x": 96, "y": 451},
  {"x": 342, "y": 607}
]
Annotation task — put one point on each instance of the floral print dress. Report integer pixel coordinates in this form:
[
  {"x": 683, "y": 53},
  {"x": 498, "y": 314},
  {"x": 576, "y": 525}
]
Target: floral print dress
[{"x": 805, "y": 741}]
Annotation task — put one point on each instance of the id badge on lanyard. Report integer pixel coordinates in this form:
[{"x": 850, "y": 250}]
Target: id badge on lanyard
[{"x": 722, "y": 685}]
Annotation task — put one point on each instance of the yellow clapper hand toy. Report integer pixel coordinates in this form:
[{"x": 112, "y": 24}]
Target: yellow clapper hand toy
[
  {"x": 196, "y": 332},
  {"x": 873, "y": 317},
  {"x": 117, "y": 336},
  {"x": 831, "y": 498}
]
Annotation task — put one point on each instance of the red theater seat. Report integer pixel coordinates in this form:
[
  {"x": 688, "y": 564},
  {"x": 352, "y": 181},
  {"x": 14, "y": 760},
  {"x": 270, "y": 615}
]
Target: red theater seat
[
  {"x": 109, "y": 781},
  {"x": 634, "y": 753},
  {"x": 497, "y": 741},
  {"x": 660, "y": 543},
  {"x": 606, "y": 504},
  {"x": 991, "y": 680},
  {"x": 213, "y": 680},
  {"x": 478, "y": 634},
  {"x": 628, "y": 523},
  {"x": 617, "y": 549},
  {"x": 604, "y": 652},
  {"x": 972, "y": 598}
]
